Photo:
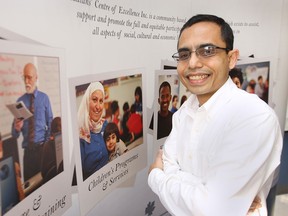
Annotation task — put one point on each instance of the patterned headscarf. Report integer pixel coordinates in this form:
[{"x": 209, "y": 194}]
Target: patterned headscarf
[{"x": 84, "y": 122}]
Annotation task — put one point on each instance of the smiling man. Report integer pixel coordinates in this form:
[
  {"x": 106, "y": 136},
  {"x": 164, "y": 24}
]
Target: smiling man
[
  {"x": 225, "y": 144},
  {"x": 164, "y": 125}
]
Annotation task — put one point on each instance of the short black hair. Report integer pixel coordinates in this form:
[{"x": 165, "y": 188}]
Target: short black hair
[
  {"x": 110, "y": 129},
  {"x": 226, "y": 31},
  {"x": 125, "y": 106},
  {"x": 56, "y": 125},
  {"x": 138, "y": 91},
  {"x": 114, "y": 106},
  {"x": 164, "y": 84},
  {"x": 236, "y": 72},
  {"x": 133, "y": 108},
  {"x": 183, "y": 99},
  {"x": 174, "y": 96}
]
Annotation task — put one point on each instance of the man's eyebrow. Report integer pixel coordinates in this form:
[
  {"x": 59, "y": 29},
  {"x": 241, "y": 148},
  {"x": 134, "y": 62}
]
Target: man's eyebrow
[
  {"x": 183, "y": 49},
  {"x": 206, "y": 44},
  {"x": 200, "y": 46}
]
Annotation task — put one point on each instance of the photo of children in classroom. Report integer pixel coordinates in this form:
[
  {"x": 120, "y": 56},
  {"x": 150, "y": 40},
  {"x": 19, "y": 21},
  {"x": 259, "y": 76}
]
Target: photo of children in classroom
[{"x": 110, "y": 121}]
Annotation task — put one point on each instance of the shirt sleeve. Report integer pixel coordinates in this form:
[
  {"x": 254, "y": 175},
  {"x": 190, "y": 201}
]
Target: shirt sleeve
[
  {"x": 241, "y": 168},
  {"x": 122, "y": 147}
]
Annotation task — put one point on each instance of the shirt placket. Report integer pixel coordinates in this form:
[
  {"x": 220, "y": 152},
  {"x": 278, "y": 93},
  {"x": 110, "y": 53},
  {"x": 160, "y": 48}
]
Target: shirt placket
[{"x": 194, "y": 152}]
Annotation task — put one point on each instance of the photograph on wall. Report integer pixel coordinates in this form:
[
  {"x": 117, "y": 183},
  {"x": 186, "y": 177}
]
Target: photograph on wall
[
  {"x": 33, "y": 157},
  {"x": 252, "y": 75},
  {"x": 109, "y": 141},
  {"x": 165, "y": 65},
  {"x": 168, "y": 64},
  {"x": 170, "y": 94}
]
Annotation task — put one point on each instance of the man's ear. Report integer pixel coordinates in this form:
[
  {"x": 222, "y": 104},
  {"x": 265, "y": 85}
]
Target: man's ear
[
  {"x": 158, "y": 100},
  {"x": 233, "y": 57}
]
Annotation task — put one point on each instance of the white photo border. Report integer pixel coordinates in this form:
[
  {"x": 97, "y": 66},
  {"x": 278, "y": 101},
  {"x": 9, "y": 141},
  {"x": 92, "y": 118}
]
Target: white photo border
[
  {"x": 271, "y": 72},
  {"x": 158, "y": 143},
  {"x": 93, "y": 189},
  {"x": 42, "y": 200}
]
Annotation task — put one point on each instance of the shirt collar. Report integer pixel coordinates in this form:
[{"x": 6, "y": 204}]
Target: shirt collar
[
  {"x": 218, "y": 99},
  {"x": 35, "y": 93}
]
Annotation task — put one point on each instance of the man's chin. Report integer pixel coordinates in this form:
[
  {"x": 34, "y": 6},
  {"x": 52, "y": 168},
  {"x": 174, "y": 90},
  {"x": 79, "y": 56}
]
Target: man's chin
[{"x": 29, "y": 91}]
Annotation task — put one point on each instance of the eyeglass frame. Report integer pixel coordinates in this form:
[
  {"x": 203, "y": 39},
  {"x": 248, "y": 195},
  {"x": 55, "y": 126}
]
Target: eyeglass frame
[{"x": 197, "y": 52}]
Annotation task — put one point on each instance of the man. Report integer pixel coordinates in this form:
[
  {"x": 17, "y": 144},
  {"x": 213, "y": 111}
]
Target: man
[
  {"x": 225, "y": 144},
  {"x": 164, "y": 122},
  {"x": 39, "y": 124},
  {"x": 164, "y": 125}
]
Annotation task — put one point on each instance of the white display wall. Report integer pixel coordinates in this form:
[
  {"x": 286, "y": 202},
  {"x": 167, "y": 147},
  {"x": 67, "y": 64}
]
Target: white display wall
[{"x": 105, "y": 37}]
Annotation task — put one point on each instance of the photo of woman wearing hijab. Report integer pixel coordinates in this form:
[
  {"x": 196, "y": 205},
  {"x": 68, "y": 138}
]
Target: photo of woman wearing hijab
[{"x": 94, "y": 154}]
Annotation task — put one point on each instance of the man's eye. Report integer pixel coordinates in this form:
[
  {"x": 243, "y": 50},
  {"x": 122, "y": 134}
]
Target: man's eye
[
  {"x": 184, "y": 54},
  {"x": 207, "y": 51}
]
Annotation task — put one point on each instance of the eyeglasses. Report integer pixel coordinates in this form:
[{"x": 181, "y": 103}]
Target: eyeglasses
[
  {"x": 202, "y": 52},
  {"x": 27, "y": 77}
]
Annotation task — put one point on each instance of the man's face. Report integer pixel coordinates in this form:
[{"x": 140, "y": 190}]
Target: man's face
[
  {"x": 164, "y": 98},
  {"x": 30, "y": 79},
  {"x": 204, "y": 76}
]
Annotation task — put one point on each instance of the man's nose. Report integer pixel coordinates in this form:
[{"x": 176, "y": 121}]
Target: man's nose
[
  {"x": 166, "y": 99},
  {"x": 194, "y": 61}
]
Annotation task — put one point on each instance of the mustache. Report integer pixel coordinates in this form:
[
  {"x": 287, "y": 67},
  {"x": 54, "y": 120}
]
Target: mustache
[{"x": 196, "y": 71}]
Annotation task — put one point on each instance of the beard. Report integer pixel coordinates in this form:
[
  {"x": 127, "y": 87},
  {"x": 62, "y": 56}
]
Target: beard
[{"x": 29, "y": 88}]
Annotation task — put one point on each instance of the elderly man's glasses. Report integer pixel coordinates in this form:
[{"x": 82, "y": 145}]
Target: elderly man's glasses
[
  {"x": 202, "y": 52},
  {"x": 27, "y": 77}
]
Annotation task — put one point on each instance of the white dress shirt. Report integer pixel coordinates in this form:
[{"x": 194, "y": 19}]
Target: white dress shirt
[{"x": 219, "y": 156}]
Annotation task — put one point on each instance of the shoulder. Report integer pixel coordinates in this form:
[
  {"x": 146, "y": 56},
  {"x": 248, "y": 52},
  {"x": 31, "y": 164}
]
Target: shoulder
[
  {"x": 250, "y": 103},
  {"x": 245, "y": 107},
  {"x": 83, "y": 142},
  {"x": 41, "y": 94},
  {"x": 104, "y": 124},
  {"x": 121, "y": 143},
  {"x": 121, "y": 146},
  {"x": 22, "y": 97}
]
